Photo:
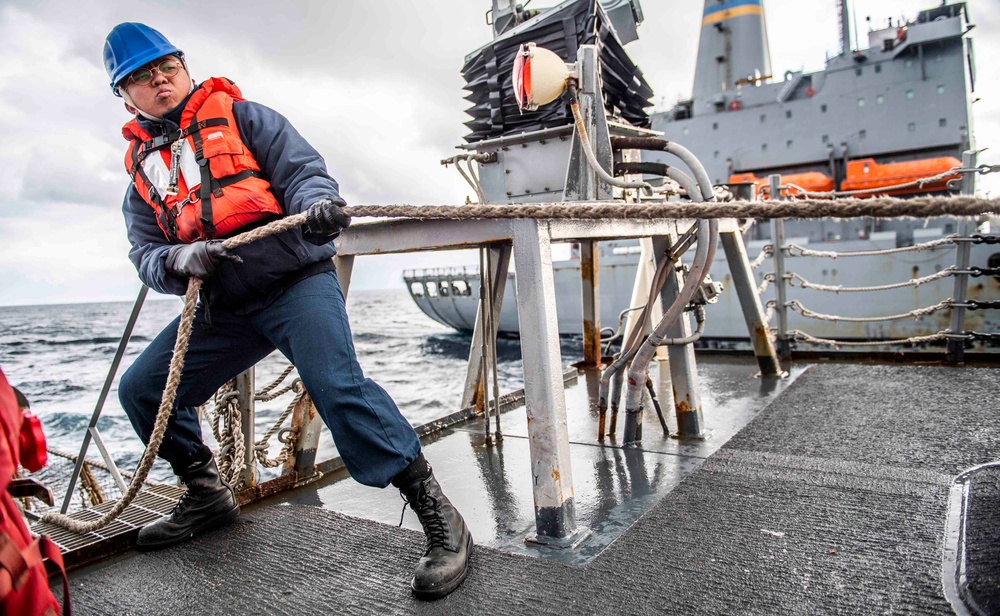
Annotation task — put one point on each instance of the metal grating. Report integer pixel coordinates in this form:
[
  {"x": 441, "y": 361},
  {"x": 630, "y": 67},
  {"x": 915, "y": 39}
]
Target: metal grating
[{"x": 150, "y": 504}]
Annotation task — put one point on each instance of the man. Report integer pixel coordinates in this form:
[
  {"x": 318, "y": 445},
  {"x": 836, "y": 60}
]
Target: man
[{"x": 206, "y": 164}]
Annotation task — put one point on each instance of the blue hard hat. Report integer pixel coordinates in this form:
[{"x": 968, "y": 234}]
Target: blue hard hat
[{"x": 130, "y": 46}]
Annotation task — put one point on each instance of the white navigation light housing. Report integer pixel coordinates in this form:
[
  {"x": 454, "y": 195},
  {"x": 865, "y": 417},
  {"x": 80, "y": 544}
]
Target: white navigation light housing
[{"x": 539, "y": 77}]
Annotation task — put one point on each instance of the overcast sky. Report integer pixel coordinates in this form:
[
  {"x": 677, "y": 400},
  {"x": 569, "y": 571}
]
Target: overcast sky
[{"x": 374, "y": 85}]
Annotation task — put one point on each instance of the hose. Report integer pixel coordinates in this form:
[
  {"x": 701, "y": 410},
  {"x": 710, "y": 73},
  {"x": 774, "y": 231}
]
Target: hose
[{"x": 588, "y": 151}]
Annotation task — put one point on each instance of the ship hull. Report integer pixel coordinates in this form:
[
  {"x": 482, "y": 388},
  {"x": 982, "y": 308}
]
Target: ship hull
[{"x": 726, "y": 326}]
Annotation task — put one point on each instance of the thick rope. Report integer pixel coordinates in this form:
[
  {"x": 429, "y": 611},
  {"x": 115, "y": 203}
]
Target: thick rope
[
  {"x": 170, "y": 391},
  {"x": 847, "y": 208},
  {"x": 883, "y": 207},
  {"x": 913, "y": 282},
  {"x": 797, "y": 306},
  {"x": 156, "y": 438},
  {"x": 951, "y": 173},
  {"x": 794, "y": 250},
  {"x": 913, "y": 340}
]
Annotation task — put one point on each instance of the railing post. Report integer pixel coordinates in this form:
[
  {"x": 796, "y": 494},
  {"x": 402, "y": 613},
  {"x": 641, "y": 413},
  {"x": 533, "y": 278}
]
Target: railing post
[
  {"x": 307, "y": 425},
  {"x": 683, "y": 367},
  {"x": 956, "y": 347},
  {"x": 778, "y": 239},
  {"x": 245, "y": 390},
  {"x": 500, "y": 259},
  {"x": 591, "y": 288},
  {"x": 544, "y": 398}
]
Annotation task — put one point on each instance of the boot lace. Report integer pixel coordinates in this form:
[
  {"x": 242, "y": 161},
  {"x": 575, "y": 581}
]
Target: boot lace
[{"x": 435, "y": 525}]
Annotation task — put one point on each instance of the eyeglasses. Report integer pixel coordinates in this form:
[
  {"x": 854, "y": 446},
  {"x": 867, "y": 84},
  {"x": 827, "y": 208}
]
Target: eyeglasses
[{"x": 142, "y": 76}]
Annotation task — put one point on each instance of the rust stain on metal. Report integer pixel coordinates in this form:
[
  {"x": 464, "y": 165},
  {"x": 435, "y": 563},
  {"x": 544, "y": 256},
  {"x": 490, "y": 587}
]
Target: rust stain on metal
[
  {"x": 555, "y": 475},
  {"x": 760, "y": 336},
  {"x": 684, "y": 405}
]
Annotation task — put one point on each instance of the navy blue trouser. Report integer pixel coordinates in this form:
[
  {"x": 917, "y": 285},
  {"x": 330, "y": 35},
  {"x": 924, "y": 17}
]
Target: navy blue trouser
[{"x": 308, "y": 324}]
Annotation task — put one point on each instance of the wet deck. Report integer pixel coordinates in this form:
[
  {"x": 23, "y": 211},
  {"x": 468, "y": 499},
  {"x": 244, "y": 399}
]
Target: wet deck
[{"x": 831, "y": 496}]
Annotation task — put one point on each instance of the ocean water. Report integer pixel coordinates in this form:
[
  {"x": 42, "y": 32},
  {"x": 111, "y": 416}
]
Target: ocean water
[{"x": 59, "y": 357}]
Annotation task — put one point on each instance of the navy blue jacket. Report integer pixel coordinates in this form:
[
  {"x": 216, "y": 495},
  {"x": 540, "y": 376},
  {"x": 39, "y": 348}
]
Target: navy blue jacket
[{"x": 298, "y": 179}]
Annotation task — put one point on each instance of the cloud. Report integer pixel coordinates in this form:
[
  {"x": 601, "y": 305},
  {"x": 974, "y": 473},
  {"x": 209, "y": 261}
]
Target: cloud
[{"x": 373, "y": 85}]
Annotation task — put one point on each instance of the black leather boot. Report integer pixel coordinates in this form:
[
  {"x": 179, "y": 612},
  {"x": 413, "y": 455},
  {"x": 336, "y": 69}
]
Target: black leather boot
[
  {"x": 449, "y": 543},
  {"x": 208, "y": 503}
]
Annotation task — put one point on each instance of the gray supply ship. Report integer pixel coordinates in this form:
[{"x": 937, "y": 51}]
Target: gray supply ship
[
  {"x": 887, "y": 114},
  {"x": 772, "y": 487}
]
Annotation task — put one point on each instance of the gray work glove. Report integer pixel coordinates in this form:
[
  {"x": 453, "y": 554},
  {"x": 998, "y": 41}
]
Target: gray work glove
[
  {"x": 325, "y": 218},
  {"x": 198, "y": 259}
]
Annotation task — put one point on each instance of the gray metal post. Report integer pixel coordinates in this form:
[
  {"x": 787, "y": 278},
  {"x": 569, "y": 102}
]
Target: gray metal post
[
  {"x": 500, "y": 257},
  {"x": 956, "y": 348},
  {"x": 582, "y": 182},
  {"x": 307, "y": 424},
  {"x": 245, "y": 388},
  {"x": 345, "y": 268},
  {"x": 683, "y": 368},
  {"x": 753, "y": 312},
  {"x": 780, "y": 288},
  {"x": 590, "y": 285},
  {"x": 92, "y": 427},
  {"x": 545, "y": 400}
]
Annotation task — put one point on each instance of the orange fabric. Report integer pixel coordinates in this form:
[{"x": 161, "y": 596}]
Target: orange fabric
[
  {"x": 233, "y": 206},
  {"x": 24, "y": 585}
]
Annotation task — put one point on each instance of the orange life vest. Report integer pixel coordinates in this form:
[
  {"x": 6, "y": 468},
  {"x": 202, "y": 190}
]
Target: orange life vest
[
  {"x": 24, "y": 585},
  {"x": 201, "y": 180}
]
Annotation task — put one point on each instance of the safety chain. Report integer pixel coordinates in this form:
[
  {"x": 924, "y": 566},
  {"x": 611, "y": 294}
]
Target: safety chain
[
  {"x": 979, "y": 238},
  {"x": 981, "y": 169},
  {"x": 765, "y": 283},
  {"x": 977, "y": 305},
  {"x": 797, "y": 306},
  {"x": 976, "y": 272},
  {"x": 772, "y": 306},
  {"x": 765, "y": 252},
  {"x": 991, "y": 336},
  {"x": 801, "y": 336},
  {"x": 915, "y": 282},
  {"x": 747, "y": 225},
  {"x": 794, "y": 250}
]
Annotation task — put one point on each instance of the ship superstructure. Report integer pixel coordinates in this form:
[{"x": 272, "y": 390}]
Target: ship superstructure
[
  {"x": 893, "y": 112},
  {"x": 904, "y": 97}
]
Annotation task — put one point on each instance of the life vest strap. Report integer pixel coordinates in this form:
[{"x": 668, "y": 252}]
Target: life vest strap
[
  {"x": 205, "y": 191},
  {"x": 151, "y": 145}
]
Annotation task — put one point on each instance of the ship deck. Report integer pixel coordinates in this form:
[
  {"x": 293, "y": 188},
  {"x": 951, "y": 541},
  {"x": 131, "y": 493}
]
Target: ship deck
[{"x": 827, "y": 492}]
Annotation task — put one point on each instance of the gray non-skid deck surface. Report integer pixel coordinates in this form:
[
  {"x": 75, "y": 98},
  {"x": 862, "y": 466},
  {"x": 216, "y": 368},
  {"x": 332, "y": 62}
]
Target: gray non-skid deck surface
[
  {"x": 983, "y": 540},
  {"x": 833, "y": 500}
]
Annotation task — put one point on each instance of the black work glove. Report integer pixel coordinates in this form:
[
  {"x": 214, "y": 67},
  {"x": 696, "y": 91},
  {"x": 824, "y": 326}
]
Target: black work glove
[
  {"x": 198, "y": 259},
  {"x": 325, "y": 218}
]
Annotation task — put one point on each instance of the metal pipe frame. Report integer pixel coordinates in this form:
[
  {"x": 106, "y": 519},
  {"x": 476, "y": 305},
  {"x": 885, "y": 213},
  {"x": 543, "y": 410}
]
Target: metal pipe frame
[
  {"x": 92, "y": 432},
  {"x": 530, "y": 242},
  {"x": 474, "y": 385}
]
